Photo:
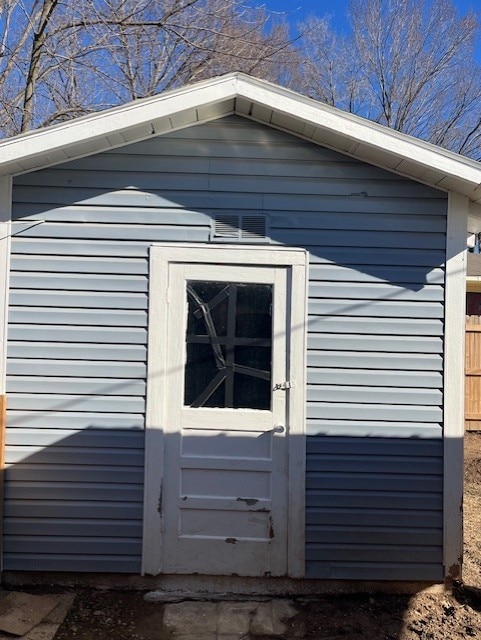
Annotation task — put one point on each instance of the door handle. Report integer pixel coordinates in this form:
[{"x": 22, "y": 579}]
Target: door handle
[{"x": 279, "y": 428}]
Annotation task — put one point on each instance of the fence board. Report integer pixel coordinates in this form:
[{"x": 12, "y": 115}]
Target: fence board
[{"x": 473, "y": 374}]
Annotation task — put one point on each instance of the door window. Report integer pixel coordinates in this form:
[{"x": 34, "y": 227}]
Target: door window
[{"x": 229, "y": 345}]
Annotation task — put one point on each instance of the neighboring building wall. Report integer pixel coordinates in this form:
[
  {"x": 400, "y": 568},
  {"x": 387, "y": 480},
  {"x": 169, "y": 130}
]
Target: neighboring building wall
[
  {"x": 77, "y": 345},
  {"x": 473, "y": 303}
]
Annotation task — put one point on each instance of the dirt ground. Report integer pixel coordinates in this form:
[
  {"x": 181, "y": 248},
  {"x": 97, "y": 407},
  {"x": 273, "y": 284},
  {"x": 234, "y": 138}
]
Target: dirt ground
[{"x": 107, "y": 615}]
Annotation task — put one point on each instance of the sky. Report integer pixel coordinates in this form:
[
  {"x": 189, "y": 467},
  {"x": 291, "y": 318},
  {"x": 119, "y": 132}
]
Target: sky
[
  {"x": 297, "y": 10},
  {"x": 337, "y": 8}
]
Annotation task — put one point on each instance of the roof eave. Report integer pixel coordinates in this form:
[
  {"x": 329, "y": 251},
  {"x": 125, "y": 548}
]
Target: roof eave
[
  {"x": 258, "y": 100},
  {"x": 358, "y": 137},
  {"x": 122, "y": 125}
]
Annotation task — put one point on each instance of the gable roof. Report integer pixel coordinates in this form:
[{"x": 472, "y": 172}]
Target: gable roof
[{"x": 264, "y": 102}]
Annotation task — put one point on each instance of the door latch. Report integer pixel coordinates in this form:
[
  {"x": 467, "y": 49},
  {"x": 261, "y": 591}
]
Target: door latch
[{"x": 282, "y": 386}]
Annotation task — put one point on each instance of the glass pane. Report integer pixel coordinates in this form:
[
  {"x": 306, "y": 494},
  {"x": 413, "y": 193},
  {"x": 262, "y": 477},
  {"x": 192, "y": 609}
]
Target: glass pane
[
  {"x": 257, "y": 357},
  {"x": 202, "y": 369},
  {"x": 254, "y": 311},
  {"x": 257, "y": 391},
  {"x": 229, "y": 352},
  {"x": 207, "y": 292},
  {"x": 257, "y": 386}
]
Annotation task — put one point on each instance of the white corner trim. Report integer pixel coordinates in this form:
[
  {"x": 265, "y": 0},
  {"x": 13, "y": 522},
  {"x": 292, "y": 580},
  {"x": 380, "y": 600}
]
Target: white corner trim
[
  {"x": 154, "y": 441},
  {"x": 5, "y": 233},
  {"x": 296, "y": 529},
  {"x": 454, "y": 383}
]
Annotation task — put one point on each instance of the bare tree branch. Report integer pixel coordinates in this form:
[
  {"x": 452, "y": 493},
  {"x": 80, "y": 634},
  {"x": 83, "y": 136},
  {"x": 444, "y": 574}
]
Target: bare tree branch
[
  {"x": 59, "y": 58},
  {"x": 408, "y": 64}
]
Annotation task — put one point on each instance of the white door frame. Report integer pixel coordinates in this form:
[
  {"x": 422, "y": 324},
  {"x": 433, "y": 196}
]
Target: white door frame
[{"x": 160, "y": 257}]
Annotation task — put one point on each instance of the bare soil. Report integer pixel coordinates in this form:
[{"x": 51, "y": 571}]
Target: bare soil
[{"x": 107, "y": 615}]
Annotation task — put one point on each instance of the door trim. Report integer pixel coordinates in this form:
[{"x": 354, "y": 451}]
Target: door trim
[{"x": 161, "y": 256}]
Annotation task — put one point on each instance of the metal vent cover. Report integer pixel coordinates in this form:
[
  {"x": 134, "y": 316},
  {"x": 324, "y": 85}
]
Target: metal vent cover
[{"x": 239, "y": 227}]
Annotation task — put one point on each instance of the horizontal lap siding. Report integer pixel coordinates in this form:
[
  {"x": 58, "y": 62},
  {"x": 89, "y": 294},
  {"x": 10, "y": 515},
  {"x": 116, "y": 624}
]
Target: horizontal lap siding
[
  {"x": 73, "y": 498},
  {"x": 78, "y": 330},
  {"x": 76, "y": 388},
  {"x": 374, "y": 508}
]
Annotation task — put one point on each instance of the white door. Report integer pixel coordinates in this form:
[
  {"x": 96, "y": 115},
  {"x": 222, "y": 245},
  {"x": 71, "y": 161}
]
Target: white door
[{"x": 225, "y": 455}]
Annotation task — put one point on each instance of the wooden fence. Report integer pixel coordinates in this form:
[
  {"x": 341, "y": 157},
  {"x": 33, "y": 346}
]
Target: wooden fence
[{"x": 472, "y": 415}]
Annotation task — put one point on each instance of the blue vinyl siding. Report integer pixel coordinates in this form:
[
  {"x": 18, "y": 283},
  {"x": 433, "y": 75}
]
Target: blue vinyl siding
[
  {"x": 374, "y": 508},
  {"x": 73, "y": 498},
  {"x": 78, "y": 344}
]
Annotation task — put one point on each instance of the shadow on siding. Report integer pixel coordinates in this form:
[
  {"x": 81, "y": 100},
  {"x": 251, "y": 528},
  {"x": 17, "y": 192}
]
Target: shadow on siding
[{"x": 74, "y": 501}]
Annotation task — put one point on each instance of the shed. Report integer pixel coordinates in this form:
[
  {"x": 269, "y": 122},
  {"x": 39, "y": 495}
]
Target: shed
[{"x": 235, "y": 341}]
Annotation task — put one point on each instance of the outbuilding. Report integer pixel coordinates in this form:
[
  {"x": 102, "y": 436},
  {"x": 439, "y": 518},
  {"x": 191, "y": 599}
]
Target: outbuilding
[{"x": 235, "y": 341}]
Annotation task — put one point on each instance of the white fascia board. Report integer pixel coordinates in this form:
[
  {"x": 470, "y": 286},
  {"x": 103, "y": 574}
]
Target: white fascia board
[
  {"x": 364, "y": 132},
  {"x": 37, "y": 147},
  {"x": 302, "y": 116}
]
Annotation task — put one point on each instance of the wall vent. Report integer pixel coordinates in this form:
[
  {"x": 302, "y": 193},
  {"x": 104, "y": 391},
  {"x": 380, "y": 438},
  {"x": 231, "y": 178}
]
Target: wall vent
[{"x": 229, "y": 227}]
